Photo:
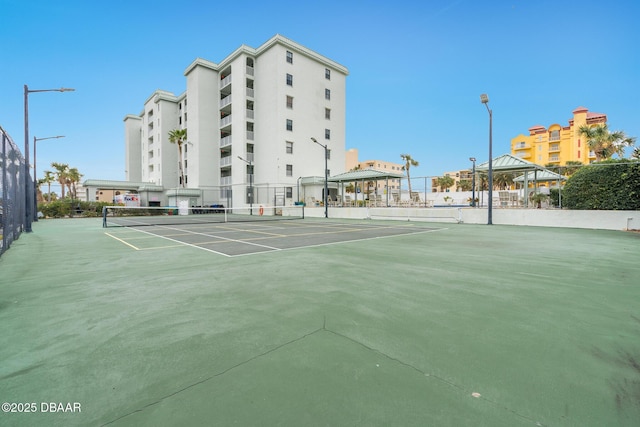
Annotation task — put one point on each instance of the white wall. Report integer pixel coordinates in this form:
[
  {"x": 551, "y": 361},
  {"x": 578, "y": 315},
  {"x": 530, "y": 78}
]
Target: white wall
[{"x": 605, "y": 220}]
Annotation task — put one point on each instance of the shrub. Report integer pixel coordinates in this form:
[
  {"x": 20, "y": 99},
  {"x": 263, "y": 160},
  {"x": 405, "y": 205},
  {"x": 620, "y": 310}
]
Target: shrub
[{"x": 606, "y": 185}]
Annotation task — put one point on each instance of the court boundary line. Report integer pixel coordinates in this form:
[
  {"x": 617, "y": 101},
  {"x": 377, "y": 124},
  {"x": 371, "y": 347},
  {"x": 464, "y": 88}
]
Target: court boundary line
[{"x": 270, "y": 248}]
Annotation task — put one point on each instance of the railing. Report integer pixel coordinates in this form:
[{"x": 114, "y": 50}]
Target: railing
[
  {"x": 224, "y": 82},
  {"x": 225, "y": 141},
  {"x": 250, "y": 92},
  {"x": 250, "y": 114},
  {"x": 225, "y": 180},
  {"x": 225, "y": 161},
  {"x": 250, "y": 135},
  {"x": 225, "y": 120},
  {"x": 225, "y": 101},
  {"x": 250, "y": 70}
]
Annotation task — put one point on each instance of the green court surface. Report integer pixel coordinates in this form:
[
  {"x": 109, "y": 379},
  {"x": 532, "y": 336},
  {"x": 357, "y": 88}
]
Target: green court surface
[{"x": 459, "y": 325}]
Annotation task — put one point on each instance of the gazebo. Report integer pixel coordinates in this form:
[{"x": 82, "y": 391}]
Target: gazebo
[
  {"x": 362, "y": 176},
  {"x": 531, "y": 171}
]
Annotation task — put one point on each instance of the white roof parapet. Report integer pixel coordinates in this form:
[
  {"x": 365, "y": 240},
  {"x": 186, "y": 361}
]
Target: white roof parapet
[{"x": 277, "y": 39}]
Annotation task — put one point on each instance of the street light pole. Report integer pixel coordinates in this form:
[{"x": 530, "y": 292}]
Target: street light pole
[
  {"x": 28, "y": 193},
  {"x": 326, "y": 177},
  {"x": 473, "y": 182},
  {"x": 485, "y": 100},
  {"x": 35, "y": 174},
  {"x": 250, "y": 163}
]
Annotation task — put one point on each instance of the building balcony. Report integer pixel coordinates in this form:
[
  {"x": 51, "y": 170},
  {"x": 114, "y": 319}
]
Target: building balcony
[
  {"x": 225, "y": 161},
  {"x": 250, "y": 135},
  {"x": 554, "y": 148},
  {"x": 225, "y": 142},
  {"x": 225, "y": 101},
  {"x": 225, "y": 121},
  {"x": 250, "y": 92},
  {"x": 249, "y": 71},
  {"x": 250, "y": 114},
  {"x": 225, "y": 180},
  {"x": 225, "y": 82}
]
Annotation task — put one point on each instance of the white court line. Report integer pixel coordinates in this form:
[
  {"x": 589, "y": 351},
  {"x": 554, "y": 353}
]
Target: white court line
[
  {"x": 265, "y": 246},
  {"x": 345, "y": 241},
  {"x": 122, "y": 241}
]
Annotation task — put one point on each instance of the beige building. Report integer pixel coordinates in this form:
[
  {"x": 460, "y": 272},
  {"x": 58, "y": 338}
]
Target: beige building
[
  {"x": 458, "y": 176},
  {"x": 352, "y": 163}
]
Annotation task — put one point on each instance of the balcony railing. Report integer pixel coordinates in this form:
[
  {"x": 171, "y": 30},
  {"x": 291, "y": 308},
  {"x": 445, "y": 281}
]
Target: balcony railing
[
  {"x": 225, "y": 180},
  {"x": 225, "y": 161},
  {"x": 225, "y": 120},
  {"x": 225, "y": 141},
  {"x": 250, "y": 135},
  {"x": 225, "y": 101},
  {"x": 224, "y": 82},
  {"x": 250, "y": 114},
  {"x": 250, "y": 92},
  {"x": 250, "y": 71}
]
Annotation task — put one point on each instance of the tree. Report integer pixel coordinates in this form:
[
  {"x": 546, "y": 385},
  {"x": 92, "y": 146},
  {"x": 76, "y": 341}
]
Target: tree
[
  {"x": 502, "y": 180},
  {"x": 49, "y": 177},
  {"x": 636, "y": 153},
  {"x": 62, "y": 175},
  {"x": 465, "y": 184},
  {"x": 445, "y": 182},
  {"x": 179, "y": 137},
  {"x": 409, "y": 161},
  {"x": 605, "y": 143},
  {"x": 73, "y": 177}
]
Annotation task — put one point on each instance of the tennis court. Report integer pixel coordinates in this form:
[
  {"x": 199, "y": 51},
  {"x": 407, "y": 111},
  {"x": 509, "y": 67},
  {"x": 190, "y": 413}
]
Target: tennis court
[
  {"x": 246, "y": 238},
  {"x": 400, "y": 323}
]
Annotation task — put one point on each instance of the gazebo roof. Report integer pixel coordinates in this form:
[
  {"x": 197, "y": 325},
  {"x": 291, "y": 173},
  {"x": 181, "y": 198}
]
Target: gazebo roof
[
  {"x": 365, "y": 175},
  {"x": 544, "y": 175},
  {"x": 509, "y": 163}
]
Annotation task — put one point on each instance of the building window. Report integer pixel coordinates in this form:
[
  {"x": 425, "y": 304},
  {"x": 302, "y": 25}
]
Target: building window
[
  {"x": 328, "y": 154},
  {"x": 289, "y": 192},
  {"x": 289, "y": 101},
  {"x": 327, "y": 134},
  {"x": 327, "y": 94},
  {"x": 289, "y": 124},
  {"x": 289, "y": 147},
  {"x": 289, "y": 170},
  {"x": 327, "y": 113},
  {"x": 289, "y": 80},
  {"x": 290, "y": 57},
  {"x": 554, "y": 135},
  {"x": 327, "y": 74}
]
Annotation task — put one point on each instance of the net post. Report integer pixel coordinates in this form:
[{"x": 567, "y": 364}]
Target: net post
[{"x": 104, "y": 217}]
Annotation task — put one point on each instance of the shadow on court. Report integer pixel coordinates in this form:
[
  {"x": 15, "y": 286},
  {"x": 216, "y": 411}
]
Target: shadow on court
[{"x": 370, "y": 323}]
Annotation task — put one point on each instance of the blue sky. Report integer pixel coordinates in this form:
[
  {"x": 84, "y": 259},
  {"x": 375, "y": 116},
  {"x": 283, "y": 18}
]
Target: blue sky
[{"x": 417, "y": 68}]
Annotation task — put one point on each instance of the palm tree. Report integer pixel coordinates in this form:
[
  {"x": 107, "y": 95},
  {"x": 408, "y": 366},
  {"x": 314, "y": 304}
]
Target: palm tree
[
  {"x": 179, "y": 137},
  {"x": 465, "y": 184},
  {"x": 409, "y": 161},
  {"x": 73, "y": 178},
  {"x": 636, "y": 153},
  {"x": 605, "y": 143},
  {"x": 502, "y": 180},
  {"x": 445, "y": 182},
  {"x": 49, "y": 177},
  {"x": 62, "y": 175}
]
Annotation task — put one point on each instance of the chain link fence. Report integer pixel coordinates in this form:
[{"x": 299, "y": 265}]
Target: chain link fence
[{"x": 14, "y": 193}]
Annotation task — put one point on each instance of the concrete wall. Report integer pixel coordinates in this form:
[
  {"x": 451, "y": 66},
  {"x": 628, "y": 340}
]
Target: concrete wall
[{"x": 606, "y": 220}]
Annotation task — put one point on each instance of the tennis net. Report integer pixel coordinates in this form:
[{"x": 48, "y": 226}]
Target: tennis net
[{"x": 128, "y": 216}]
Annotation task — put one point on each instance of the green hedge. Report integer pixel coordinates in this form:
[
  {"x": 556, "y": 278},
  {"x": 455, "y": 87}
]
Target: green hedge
[
  {"x": 71, "y": 208},
  {"x": 607, "y": 185}
]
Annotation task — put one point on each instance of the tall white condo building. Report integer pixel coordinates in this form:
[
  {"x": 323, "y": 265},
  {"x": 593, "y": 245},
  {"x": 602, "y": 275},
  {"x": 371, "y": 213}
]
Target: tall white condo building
[{"x": 249, "y": 121}]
